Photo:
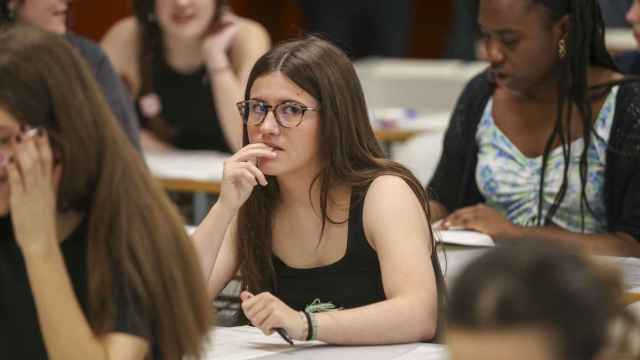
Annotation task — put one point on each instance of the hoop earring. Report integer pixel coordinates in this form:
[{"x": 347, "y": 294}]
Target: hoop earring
[{"x": 562, "y": 48}]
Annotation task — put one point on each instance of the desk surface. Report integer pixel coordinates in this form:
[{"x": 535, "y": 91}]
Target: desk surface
[{"x": 244, "y": 342}]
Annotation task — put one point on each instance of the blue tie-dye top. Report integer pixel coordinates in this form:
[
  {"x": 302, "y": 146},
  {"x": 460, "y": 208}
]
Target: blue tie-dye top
[{"x": 510, "y": 181}]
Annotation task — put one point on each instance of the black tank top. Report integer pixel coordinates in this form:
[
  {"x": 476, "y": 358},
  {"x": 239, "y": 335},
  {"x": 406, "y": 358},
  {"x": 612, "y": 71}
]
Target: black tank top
[
  {"x": 187, "y": 107},
  {"x": 354, "y": 280}
]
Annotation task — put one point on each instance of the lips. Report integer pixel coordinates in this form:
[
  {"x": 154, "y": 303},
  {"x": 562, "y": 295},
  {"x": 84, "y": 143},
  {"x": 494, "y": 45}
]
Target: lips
[
  {"x": 275, "y": 147},
  {"x": 182, "y": 18}
]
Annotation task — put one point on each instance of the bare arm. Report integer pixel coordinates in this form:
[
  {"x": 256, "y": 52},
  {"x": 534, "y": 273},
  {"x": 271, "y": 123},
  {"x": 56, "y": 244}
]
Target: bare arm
[
  {"x": 487, "y": 220},
  {"x": 215, "y": 242},
  {"x": 65, "y": 329},
  {"x": 229, "y": 73},
  {"x": 403, "y": 245},
  {"x": 215, "y": 238}
]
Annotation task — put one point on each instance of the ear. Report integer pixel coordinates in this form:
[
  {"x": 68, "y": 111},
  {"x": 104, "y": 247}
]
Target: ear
[
  {"x": 562, "y": 27},
  {"x": 12, "y": 5}
]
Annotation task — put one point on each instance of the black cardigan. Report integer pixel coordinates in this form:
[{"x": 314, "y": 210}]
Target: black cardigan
[{"x": 454, "y": 184}]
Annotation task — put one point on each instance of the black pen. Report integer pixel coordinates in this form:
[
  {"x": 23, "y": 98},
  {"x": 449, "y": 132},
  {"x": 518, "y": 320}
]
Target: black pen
[{"x": 284, "y": 335}]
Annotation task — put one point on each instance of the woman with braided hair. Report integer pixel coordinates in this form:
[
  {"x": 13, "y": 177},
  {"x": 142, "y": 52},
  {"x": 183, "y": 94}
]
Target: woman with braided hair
[{"x": 545, "y": 143}]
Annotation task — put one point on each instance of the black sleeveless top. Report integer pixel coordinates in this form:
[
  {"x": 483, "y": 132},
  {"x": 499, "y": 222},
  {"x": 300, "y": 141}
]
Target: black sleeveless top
[
  {"x": 353, "y": 281},
  {"x": 20, "y": 334},
  {"x": 187, "y": 107}
]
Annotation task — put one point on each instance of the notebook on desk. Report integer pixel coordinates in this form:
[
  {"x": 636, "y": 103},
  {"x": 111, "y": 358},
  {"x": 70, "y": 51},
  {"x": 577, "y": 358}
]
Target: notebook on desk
[{"x": 464, "y": 238}]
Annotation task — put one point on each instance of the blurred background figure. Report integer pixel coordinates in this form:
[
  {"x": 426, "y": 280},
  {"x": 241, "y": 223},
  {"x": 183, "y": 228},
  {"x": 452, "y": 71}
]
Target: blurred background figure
[
  {"x": 186, "y": 63},
  {"x": 613, "y": 12},
  {"x": 51, "y": 16},
  {"x": 537, "y": 301},
  {"x": 629, "y": 62},
  {"x": 362, "y": 27}
]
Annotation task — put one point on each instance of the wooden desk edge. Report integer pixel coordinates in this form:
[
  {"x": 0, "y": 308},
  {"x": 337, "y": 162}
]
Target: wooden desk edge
[{"x": 180, "y": 185}]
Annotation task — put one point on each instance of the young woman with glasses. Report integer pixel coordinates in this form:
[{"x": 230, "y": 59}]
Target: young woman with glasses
[{"x": 314, "y": 218}]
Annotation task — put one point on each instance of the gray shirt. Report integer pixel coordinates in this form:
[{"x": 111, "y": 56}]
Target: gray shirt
[{"x": 114, "y": 90}]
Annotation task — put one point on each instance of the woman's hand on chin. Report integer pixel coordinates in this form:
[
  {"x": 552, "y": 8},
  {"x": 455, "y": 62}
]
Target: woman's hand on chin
[{"x": 241, "y": 175}]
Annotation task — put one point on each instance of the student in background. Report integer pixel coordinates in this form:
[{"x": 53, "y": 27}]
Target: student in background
[
  {"x": 186, "y": 63},
  {"x": 629, "y": 62},
  {"x": 535, "y": 301},
  {"x": 314, "y": 217},
  {"x": 94, "y": 259},
  {"x": 613, "y": 12},
  {"x": 545, "y": 143},
  {"x": 51, "y": 15}
]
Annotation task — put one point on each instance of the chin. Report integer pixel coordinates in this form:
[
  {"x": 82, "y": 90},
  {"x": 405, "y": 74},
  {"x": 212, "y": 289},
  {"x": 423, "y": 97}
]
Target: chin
[
  {"x": 187, "y": 31},
  {"x": 57, "y": 28}
]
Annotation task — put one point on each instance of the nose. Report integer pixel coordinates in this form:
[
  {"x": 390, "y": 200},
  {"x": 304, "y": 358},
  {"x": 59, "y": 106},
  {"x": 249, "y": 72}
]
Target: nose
[
  {"x": 494, "y": 53},
  {"x": 270, "y": 125},
  {"x": 633, "y": 15}
]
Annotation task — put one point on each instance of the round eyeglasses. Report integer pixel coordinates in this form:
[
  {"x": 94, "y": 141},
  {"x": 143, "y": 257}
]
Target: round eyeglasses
[{"x": 287, "y": 114}]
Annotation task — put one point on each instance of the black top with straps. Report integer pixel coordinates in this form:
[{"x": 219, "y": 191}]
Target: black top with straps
[
  {"x": 187, "y": 107},
  {"x": 354, "y": 280}
]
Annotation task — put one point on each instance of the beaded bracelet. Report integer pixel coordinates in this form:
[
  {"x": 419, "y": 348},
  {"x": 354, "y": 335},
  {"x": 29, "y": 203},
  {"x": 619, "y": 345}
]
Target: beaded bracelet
[{"x": 309, "y": 326}]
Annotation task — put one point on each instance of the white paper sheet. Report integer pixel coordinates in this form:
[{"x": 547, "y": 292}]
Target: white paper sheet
[
  {"x": 186, "y": 165},
  {"x": 426, "y": 352},
  {"x": 246, "y": 342},
  {"x": 464, "y": 237}
]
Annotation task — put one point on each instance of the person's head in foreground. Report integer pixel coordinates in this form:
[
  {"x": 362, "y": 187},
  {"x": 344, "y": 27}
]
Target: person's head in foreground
[
  {"x": 537, "y": 301},
  {"x": 64, "y": 160}
]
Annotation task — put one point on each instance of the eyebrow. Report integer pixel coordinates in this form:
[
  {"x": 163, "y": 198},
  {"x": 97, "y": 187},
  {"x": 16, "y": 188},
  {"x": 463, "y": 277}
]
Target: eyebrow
[
  {"x": 501, "y": 32},
  {"x": 279, "y": 102}
]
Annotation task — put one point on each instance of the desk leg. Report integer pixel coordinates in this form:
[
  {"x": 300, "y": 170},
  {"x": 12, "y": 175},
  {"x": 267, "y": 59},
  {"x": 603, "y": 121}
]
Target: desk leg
[
  {"x": 201, "y": 204},
  {"x": 387, "y": 147}
]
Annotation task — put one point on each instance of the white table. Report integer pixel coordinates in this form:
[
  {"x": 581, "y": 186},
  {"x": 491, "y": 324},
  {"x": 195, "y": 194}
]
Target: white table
[
  {"x": 244, "y": 342},
  {"x": 620, "y": 40},
  {"x": 196, "y": 172}
]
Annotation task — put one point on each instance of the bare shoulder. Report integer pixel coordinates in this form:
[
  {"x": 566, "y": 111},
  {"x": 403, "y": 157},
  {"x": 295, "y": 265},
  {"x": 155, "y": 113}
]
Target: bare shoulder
[
  {"x": 386, "y": 185},
  {"x": 387, "y": 195},
  {"x": 251, "y": 34},
  {"x": 121, "y": 45},
  {"x": 122, "y": 35}
]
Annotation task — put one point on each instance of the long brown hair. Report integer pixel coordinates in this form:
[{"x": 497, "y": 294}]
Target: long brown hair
[
  {"x": 137, "y": 245},
  {"x": 349, "y": 149},
  {"x": 151, "y": 51}
]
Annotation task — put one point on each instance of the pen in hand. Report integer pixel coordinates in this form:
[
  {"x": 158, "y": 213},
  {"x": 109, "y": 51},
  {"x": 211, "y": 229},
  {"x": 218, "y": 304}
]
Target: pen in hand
[
  {"x": 281, "y": 331},
  {"x": 284, "y": 335}
]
